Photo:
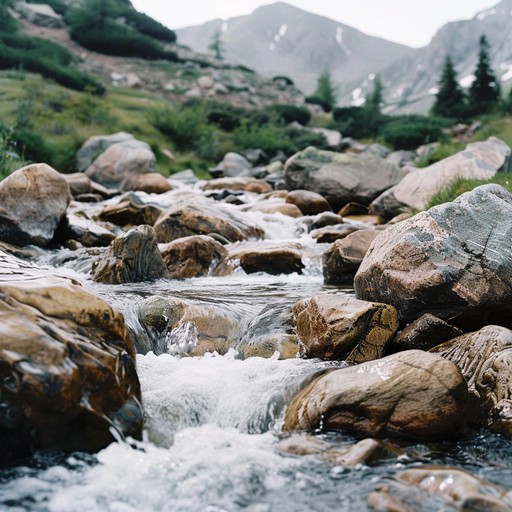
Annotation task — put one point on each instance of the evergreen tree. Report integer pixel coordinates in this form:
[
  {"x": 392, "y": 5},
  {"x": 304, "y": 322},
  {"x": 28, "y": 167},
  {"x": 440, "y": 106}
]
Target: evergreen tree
[
  {"x": 450, "y": 99},
  {"x": 216, "y": 47},
  {"x": 484, "y": 93},
  {"x": 375, "y": 99},
  {"x": 325, "y": 92}
]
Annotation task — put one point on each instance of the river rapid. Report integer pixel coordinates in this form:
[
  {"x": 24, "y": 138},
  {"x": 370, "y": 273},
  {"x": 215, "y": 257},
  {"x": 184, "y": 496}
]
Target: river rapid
[{"x": 213, "y": 423}]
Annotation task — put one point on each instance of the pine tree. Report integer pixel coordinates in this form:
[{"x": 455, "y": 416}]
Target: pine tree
[
  {"x": 375, "y": 99},
  {"x": 484, "y": 93},
  {"x": 216, "y": 47},
  {"x": 450, "y": 99},
  {"x": 325, "y": 92}
]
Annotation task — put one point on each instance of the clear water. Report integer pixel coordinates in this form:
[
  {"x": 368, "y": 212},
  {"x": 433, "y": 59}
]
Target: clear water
[{"x": 213, "y": 423}]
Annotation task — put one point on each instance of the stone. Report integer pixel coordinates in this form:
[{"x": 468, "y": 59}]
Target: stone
[
  {"x": 425, "y": 333},
  {"x": 270, "y": 331},
  {"x": 95, "y": 146},
  {"x": 245, "y": 184},
  {"x": 232, "y": 165},
  {"x": 68, "y": 370},
  {"x": 87, "y": 232},
  {"x": 386, "y": 205},
  {"x": 33, "y": 203},
  {"x": 193, "y": 256},
  {"x": 325, "y": 219},
  {"x": 276, "y": 205},
  {"x": 78, "y": 183},
  {"x": 331, "y": 233},
  {"x": 341, "y": 178},
  {"x": 479, "y": 161},
  {"x": 131, "y": 258},
  {"x": 485, "y": 359},
  {"x": 342, "y": 260},
  {"x": 151, "y": 183},
  {"x": 272, "y": 258},
  {"x": 338, "y": 326},
  {"x": 41, "y": 15},
  {"x": 120, "y": 161},
  {"x": 188, "y": 220},
  {"x": 401, "y": 157},
  {"x": 131, "y": 211},
  {"x": 410, "y": 395},
  {"x": 309, "y": 203},
  {"x": 180, "y": 328},
  {"x": 451, "y": 261}
]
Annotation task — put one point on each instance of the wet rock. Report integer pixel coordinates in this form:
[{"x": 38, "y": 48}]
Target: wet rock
[
  {"x": 337, "y": 326},
  {"x": 33, "y": 203},
  {"x": 386, "y": 205},
  {"x": 402, "y": 157},
  {"x": 131, "y": 211},
  {"x": 120, "y": 161},
  {"x": 340, "y": 178},
  {"x": 424, "y": 333},
  {"x": 67, "y": 367},
  {"x": 342, "y": 260},
  {"x": 95, "y": 146},
  {"x": 238, "y": 183},
  {"x": 325, "y": 219},
  {"x": 479, "y": 161},
  {"x": 193, "y": 256},
  {"x": 180, "y": 328},
  {"x": 331, "y": 233},
  {"x": 79, "y": 183},
  {"x": 367, "y": 451},
  {"x": 309, "y": 203},
  {"x": 87, "y": 232},
  {"x": 151, "y": 183},
  {"x": 412, "y": 394},
  {"x": 272, "y": 258},
  {"x": 459, "y": 489},
  {"x": 232, "y": 165},
  {"x": 276, "y": 205},
  {"x": 451, "y": 261},
  {"x": 270, "y": 331},
  {"x": 188, "y": 220},
  {"x": 131, "y": 258},
  {"x": 485, "y": 359}
]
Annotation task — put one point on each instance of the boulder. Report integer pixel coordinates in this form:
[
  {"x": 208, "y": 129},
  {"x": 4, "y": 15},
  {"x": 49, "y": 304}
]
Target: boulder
[
  {"x": 41, "y": 15},
  {"x": 95, "y": 146},
  {"x": 193, "y": 256},
  {"x": 33, "y": 203},
  {"x": 68, "y": 371},
  {"x": 120, "y": 161},
  {"x": 131, "y": 211},
  {"x": 309, "y": 203},
  {"x": 131, "y": 258},
  {"x": 451, "y": 261},
  {"x": 245, "y": 184},
  {"x": 151, "y": 183},
  {"x": 485, "y": 359},
  {"x": 413, "y": 394},
  {"x": 272, "y": 258},
  {"x": 331, "y": 233},
  {"x": 177, "y": 327},
  {"x": 425, "y": 333},
  {"x": 341, "y": 178},
  {"x": 79, "y": 183},
  {"x": 276, "y": 205},
  {"x": 232, "y": 165},
  {"x": 87, "y": 232},
  {"x": 341, "y": 261},
  {"x": 338, "y": 326},
  {"x": 479, "y": 161},
  {"x": 386, "y": 205},
  {"x": 270, "y": 331},
  {"x": 187, "y": 220}
]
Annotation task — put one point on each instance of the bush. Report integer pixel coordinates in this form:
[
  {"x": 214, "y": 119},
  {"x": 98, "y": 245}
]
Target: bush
[
  {"x": 284, "y": 79},
  {"x": 148, "y": 26},
  {"x": 315, "y": 100},
  {"x": 409, "y": 132},
  {"x": 291, "y": 113},
  {"x": 359, "y": 122},
  {"x": 227, "y": 121}
]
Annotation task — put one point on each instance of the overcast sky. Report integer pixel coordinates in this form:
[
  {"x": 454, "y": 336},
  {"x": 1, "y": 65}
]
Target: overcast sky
[{"x": 411, "y": 22}]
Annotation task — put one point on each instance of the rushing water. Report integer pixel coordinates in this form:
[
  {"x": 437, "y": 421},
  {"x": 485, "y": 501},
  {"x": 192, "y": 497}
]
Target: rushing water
[{"x": 213, "y": 422}]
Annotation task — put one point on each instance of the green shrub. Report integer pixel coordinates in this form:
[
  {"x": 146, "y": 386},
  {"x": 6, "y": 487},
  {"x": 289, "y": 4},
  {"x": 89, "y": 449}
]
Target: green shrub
[
  {"x": 291, "y": 113},
  {"x": 285, "y": 79},
  {"x": 409, "y": 132},
  {"x": 148, "y": 26},
  {"x": 359, "y": 122},
  {"x": 316, "y": 100},
  {"x": 226, "y": 120}
]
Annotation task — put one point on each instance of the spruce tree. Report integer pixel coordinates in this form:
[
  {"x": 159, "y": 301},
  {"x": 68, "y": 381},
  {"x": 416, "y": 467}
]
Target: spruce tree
[
  {"x": 325, "y": 92},
  {"x": 375, "y": 99},
  {"x": 450, "y": 99},
  {"x": 484, "y": 93}
]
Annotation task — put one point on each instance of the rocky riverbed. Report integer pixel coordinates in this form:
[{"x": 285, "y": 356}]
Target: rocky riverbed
[{"x": 186, "y": 345}]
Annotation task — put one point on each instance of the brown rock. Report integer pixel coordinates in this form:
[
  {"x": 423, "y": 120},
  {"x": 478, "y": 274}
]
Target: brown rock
[
  {"x": 33, "y": 202},
  {"x": 338, "y": 326},
  {"x": 87, "y": 232},
  {"x": 132, "y": 258},
  {"x": 411, "y": 394},
  {"x": 68, "y": 370},
  {"x": 78, "y": 183},
  {"x": 276, "y": 206},
  {"x": 151, "y": 183},
  {"x": 425, "y": 333},
  {"x": 331, "y": 233},
  {"x": 309, "y": 203},
  {"x": 188, "y": 220},
  {"x": 131, "y": 211},
  {"x": 193, "y": 256},
  {"x": 239, "y": 183},
  {"x": 341, "y": 261}
]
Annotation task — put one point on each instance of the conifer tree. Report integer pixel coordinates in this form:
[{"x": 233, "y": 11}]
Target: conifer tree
[
  {"x": 484, "y": 93},
  {"x": 216, "y": 47},
  {"x": 375, "y": 99},
  {"x": 450, "y": 99},
  {"x": 325, "y": 92}
]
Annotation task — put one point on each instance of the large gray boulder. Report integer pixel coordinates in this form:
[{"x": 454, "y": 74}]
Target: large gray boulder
[
  {"x": 95, "y": 146},
  {"x": 479, "y": 161},
  {"x": 452, "y": 261},
  {"x": 33, "y": 203},
  {"x": 232, "y": 165},
  {"x": 40, "y": 14},
  {"x": 341, "y": 178},
  {"x": 412, "y": 394}
]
